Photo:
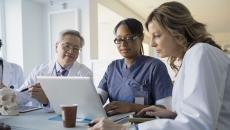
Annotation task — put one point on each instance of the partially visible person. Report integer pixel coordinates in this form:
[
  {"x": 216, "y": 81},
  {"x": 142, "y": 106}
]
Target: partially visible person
[
  {"x": 136, "y": 81},
  {"x": 68, "y": 47},
  {"x": 4, "y": 126},
  {"x": 11, "y": 74},
  {"x": 201, "y": 92}
]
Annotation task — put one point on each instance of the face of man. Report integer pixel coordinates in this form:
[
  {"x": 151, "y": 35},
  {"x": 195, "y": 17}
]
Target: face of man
[{"x": 68, "y": 50}]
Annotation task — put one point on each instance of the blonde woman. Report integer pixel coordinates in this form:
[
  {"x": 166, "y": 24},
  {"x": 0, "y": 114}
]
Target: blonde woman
[{"x": 201, "y": 93}]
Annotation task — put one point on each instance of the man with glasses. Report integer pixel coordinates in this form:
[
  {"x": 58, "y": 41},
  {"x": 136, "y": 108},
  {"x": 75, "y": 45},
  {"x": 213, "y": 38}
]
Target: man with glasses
[{"x": 67, "y": 50}]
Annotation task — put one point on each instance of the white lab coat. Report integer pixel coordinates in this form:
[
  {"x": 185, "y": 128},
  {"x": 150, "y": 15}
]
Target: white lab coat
[
  {"x": 201, "y": 93},
  {"x": 48, "y": 70},
  {"x": 12, "y": 75}
]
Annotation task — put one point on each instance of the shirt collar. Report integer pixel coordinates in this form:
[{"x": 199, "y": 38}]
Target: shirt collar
[
  {"x": 59, "y": 68},
  {"x": 138, "y": 61}
]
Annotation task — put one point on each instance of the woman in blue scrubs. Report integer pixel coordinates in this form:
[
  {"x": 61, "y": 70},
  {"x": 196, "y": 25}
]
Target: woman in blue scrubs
[{"x": 136, "y": 81}]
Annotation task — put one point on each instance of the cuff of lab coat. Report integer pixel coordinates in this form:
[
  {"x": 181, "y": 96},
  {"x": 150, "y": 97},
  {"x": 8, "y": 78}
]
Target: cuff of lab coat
[
  {"x": 47, "y": 108},
  {"x": 167, "y": 102}
]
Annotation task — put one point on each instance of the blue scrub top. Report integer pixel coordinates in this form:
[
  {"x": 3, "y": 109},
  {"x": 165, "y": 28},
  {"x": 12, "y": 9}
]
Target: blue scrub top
[{"x": 147, "y": 77}]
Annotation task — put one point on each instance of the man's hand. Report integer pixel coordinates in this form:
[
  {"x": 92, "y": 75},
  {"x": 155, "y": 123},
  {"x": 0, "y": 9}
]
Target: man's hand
[{"x": 36, "y": 92}]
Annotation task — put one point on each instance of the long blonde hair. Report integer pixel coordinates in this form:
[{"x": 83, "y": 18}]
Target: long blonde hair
[{"x": 178, "y": 21}]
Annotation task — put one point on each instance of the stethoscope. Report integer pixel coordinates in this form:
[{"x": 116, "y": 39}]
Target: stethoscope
[
  {"x": 1, "y": 64},
  {"x": 54, "y": 71}
]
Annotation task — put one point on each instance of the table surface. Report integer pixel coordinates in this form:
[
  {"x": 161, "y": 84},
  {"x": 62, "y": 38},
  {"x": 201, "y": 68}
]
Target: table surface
[{"x": 37, "y": 120}]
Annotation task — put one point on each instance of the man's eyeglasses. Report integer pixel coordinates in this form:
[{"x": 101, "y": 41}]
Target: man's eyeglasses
[
  {"x": 67, "y": 47},
  {"x": 128, "y": 39}
]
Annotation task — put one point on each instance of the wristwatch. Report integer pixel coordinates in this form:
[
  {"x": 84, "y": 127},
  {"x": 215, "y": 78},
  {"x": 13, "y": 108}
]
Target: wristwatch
[{"x": 133, "y": 127}]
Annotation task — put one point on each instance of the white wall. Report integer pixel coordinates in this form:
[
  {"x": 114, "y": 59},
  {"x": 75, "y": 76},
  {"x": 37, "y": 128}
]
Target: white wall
[
  {"x": 2, "y": 28},
  {"x": 88, "y": 26},
  {"x": 26, "y": 37},
  {"x": 35, "y": 47},
  {"x": 13, "y": 20},
  {"x": 222, "y": 37},
  {"x": 110, "y": 12},
  {"x": 107, "y": 20}
]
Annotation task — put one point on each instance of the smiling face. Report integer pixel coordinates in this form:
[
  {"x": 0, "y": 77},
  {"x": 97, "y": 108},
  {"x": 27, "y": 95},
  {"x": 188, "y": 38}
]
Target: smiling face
[
  {"x": 166, "y": 45},
  {"x": 68, "y": 49},
  {"x": 129, "y": 45}
]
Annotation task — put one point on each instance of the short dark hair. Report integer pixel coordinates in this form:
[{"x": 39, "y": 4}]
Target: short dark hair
[{"x": 74, "y": 33}]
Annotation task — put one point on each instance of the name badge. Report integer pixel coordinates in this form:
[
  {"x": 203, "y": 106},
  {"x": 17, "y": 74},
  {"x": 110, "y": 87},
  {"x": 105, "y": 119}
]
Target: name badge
[{"x": 139, "y": 100}]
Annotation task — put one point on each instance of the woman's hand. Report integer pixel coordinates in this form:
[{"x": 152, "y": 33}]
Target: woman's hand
[
  {"x": 105, "y": 124},
  {"x": 117, "y": 107},
  {"x": 157, "y": 111}
]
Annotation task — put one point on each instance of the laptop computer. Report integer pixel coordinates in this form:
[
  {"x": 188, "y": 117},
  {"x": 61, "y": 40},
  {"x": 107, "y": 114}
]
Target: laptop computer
[{"x": 73, "y": 90}]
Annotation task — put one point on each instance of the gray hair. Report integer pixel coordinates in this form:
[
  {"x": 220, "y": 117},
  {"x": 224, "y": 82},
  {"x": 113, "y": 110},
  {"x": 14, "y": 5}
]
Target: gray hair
[{"x": 72, "y": 32}]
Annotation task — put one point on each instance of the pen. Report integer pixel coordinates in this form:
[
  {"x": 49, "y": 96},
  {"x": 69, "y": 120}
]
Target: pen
[
  {"x": 12, "y": 87},
  {"x": 91, "y": 124},
  {"x": 25, "y": 89}
]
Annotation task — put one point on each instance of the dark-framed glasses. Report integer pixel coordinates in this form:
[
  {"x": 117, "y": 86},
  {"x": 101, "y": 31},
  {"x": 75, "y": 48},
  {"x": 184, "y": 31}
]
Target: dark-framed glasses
[
  {"x": 67, "y": 47},
  {"x": 128, "y": 39}
]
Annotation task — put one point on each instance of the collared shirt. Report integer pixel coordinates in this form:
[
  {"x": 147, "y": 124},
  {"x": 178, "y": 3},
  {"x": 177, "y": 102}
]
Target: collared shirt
[
  {"x": 147, "y": 77},
  {"x": 61, "y": 71}
]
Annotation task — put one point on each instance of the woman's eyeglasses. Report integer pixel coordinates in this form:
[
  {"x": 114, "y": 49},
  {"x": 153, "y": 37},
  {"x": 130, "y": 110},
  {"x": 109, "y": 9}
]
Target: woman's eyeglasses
[{"x": 128, "y": 39}]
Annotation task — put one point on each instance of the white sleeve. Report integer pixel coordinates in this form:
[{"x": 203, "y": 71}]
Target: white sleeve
[
  {"x": 202, "y": 92},
  {"x": 103, "y": 94},
  {"x": 167, "y": 102},
  {"x": 19, "y": 76},
  {"x": 24, "y": 97}
]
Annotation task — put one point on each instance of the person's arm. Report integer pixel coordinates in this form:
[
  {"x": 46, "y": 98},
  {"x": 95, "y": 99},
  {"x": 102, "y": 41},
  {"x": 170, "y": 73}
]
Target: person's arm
[
  {"x": 18, "y": 77},
  {"x": 161, "y": 85},
  {"x": 119, "y": 107},
  {"x": 157, "y": 111},
  {"x": 106, "y": 124},
  {"x": 165, "y": 102},
  {"x": 26, "y": 97},
  {"x": 23, "y": 97},
  {"x": 102, "y": 88},
  {"x": 37, "y": 93},
  {"x": 103, "y": 95},
  {"x": 197, "y": 93}
]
